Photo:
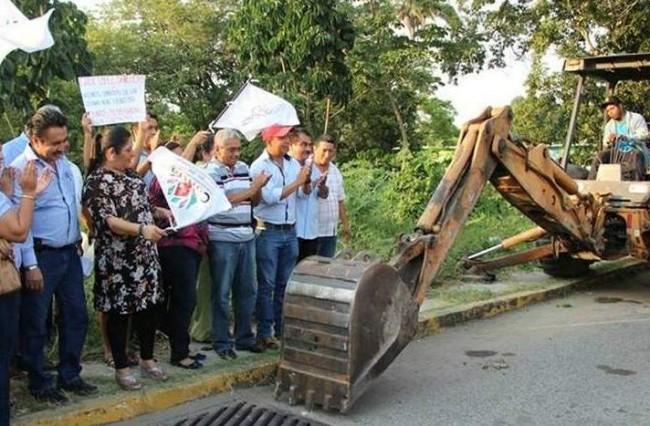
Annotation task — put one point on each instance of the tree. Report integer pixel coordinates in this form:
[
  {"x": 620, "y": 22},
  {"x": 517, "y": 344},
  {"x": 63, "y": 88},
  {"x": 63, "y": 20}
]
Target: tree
[
  {"x": 297, "y": 49},
  {"x": 178, "y": 45},
  {"x": 27, "y": 79},
  {"x": 573, "y": 27}
]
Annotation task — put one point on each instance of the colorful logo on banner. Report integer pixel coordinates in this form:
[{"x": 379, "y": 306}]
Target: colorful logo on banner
[{"x": 182, "y": 192}]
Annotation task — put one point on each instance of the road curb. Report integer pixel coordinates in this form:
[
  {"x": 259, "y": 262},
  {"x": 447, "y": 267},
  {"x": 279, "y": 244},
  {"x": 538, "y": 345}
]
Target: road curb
[
  {"x": 129, "y": 405},
  {"x": 434, "y": 322}
]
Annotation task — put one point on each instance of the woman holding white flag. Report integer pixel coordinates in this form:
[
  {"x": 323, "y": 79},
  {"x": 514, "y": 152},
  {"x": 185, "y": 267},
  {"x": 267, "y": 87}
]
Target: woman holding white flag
[{"x": 127, "y": 271}]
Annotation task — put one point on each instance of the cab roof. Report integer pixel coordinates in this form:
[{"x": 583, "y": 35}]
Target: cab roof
[{"x": 611, "y": 68}]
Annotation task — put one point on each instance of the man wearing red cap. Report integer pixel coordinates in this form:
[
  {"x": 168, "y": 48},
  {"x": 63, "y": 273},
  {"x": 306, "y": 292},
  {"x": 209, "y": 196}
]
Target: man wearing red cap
[{"x": 277, "y": 243}]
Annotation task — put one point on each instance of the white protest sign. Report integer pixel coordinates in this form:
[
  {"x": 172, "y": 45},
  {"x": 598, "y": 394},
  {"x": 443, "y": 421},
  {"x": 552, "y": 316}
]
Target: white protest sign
[
  {"x": 253, "y": 110},
  {"x": 19, "y": 32},
  {"x": 114, "y": 99},
  {"x": 192, "y": 194}
]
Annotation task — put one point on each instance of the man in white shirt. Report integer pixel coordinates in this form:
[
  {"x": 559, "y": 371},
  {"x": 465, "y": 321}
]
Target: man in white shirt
[{"x": 331, "y": 208}]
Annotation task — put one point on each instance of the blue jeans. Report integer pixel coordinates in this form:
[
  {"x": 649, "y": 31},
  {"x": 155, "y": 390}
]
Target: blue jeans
[
  {"x": 327, "y": 246},
  {"x": 62, "y": 278},
  {"x": 9, "y": 309},
  {"x": 277, "y": 251},
  {"x": 231, "y": 268}
]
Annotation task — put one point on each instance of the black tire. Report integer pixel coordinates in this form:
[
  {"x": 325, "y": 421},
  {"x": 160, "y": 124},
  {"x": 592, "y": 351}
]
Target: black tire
[{"x": 563, "y": 266}]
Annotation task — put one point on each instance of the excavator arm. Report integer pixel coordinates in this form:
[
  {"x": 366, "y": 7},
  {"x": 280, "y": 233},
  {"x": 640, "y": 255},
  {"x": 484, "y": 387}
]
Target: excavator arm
[{"x": 345, "y": 320}]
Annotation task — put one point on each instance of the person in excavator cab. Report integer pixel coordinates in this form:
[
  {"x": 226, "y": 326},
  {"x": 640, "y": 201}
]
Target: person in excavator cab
[{"x": 626, "y": 137}]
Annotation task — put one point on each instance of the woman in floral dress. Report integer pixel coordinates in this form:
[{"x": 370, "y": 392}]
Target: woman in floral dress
[{"x": 127, "y": 271}]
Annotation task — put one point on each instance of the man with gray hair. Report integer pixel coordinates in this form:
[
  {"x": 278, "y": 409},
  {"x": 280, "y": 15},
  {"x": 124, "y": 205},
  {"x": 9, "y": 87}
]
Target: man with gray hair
[{"x": 232, "y": 247}]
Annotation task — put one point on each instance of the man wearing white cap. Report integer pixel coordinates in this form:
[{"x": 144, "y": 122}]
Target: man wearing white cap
[{"x": 277, "y": 243}]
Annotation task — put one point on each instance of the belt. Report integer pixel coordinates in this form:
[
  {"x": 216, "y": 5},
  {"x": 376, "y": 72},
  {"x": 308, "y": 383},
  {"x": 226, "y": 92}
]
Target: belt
[
  {"x": 282, "y": 226},
  {"x": 232, "y": 225},
  {"x": 39, "y": 246}
]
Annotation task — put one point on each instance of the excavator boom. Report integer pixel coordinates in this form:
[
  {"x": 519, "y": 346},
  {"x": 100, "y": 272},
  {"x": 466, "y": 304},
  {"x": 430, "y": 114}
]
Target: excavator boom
[{"x": 345, "y": 320}]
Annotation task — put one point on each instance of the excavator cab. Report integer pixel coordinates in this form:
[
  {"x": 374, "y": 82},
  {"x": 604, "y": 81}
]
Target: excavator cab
[{"x": 346, "y": 319}]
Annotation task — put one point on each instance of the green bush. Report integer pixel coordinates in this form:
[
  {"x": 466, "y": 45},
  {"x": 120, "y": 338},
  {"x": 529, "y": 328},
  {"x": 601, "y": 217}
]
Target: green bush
[{"x": 386, "y": 197}]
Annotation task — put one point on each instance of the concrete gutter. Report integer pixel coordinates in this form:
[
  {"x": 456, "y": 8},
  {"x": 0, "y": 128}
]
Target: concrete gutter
[{"x": 125, "y": 405}]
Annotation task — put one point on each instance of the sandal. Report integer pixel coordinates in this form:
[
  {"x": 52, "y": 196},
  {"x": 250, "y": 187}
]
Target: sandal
[
  {"x": 128, "y": 383},
  {"x": 194, "y": 365},
  {"x": 155, "y": 373},
  {"x": 109, "y": 361}
]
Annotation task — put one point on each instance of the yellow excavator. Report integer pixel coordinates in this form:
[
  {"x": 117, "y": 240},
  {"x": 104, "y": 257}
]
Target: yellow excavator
[{"x": 346, "y": 319}]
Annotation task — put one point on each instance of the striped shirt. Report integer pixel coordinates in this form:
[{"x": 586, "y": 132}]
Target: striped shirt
[
  {"x": 328, "y": 208},
  {"x": 234, "y": 225}
]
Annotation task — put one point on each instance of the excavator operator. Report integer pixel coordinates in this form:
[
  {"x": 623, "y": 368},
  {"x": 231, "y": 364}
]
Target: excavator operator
[{"x": 625, "y": 135}]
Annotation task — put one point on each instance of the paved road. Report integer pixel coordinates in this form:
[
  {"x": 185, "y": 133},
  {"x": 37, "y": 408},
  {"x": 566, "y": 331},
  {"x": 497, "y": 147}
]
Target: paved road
[{"x": 581, "y": 360}]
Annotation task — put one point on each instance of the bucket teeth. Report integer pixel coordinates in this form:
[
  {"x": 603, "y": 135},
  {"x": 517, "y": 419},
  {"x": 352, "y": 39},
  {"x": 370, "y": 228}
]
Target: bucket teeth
[
  {"x": 309, "y": 400},
  {"x": 277, "y": 392},
  {"x": 327, "y": 402},
  {"x": 293, "y": 395}
]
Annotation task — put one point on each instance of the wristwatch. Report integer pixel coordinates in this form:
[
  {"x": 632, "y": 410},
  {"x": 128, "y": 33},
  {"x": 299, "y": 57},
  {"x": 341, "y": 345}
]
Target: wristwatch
[{"x": 30, "y": 268}]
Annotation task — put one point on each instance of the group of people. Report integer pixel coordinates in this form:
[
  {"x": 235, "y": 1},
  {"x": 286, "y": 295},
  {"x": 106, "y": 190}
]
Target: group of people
[{"x": 286, "y": 206}]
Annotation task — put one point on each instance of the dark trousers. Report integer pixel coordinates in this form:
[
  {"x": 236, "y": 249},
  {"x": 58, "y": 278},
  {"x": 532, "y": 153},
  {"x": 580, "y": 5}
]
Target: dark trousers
[
  {"x": 117, "y": 328},
  {"x": 307, "y": 248},
  {"x": 63, "y": 278},
  {"x": 632, "y": 164},
  {"x": 327, "y": 246},
  {"x": 9, "y": 311},
  {"x": 180, "y": 269}
]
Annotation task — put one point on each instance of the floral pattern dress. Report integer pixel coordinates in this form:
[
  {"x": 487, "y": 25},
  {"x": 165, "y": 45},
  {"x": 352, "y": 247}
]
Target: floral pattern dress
[{"x": 127, "y": 271}]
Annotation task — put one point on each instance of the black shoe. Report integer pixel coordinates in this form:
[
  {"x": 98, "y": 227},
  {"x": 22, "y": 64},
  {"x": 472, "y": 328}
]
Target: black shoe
[
  {"x": 256, "y": 349},
  {"x": 194, "y": 365},
  {"x": 199, "y": 356},
  {"x": 78, "y": 387},
  {"x": 52, "y": 395},
  {"x": 227, "y": 355}
]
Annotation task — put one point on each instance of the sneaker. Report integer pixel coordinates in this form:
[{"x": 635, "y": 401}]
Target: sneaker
[
  {"x": 267, "y": 343},
  {"x": 52, "y": 395},
  {"x": 227, "y": 355},
  {"x": 78, "y": 387}
]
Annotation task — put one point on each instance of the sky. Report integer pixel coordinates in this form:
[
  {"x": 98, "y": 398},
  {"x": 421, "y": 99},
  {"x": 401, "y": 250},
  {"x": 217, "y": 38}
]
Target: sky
[{"x": 472, "y": 93}]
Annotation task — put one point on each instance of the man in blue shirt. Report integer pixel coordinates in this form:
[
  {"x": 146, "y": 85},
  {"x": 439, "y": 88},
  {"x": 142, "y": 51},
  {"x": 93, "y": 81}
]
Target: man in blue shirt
[
  {"x": 307, "y": 207},
  {"x": 13, "y": 148},
  {"x": 277, "y": 243},
  {"x": 626, "y": 137},
  {"x": 51, "y": 264}
]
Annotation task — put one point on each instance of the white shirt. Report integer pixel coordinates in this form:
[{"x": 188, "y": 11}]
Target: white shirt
[{"x": 328, "y": 208}]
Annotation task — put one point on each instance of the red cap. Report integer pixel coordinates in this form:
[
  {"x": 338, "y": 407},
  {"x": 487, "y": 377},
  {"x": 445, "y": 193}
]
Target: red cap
[{"x": 276, "y": 130}]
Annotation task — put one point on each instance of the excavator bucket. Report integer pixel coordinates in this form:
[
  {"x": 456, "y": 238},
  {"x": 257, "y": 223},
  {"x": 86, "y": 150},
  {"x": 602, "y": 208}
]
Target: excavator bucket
[{"x": 345, "y": 320}]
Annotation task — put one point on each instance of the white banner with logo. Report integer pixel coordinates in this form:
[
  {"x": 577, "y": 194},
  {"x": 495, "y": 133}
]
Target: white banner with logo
[
  {"x": 192, "y": 194},
  {"x": 254, "y": 109},
  {"x": 114, "y": 99}
]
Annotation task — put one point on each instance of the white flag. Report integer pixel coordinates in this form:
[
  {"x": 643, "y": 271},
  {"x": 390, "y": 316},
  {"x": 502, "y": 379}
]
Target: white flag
[
  {"x": 253, "y": 110},
  {"x": 192, "y": 195},
  {"x": 18, "y": 32}
]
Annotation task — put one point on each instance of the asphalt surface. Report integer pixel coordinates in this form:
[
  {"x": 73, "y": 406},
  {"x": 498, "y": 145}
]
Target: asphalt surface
[{"x": 580, "y": 360}]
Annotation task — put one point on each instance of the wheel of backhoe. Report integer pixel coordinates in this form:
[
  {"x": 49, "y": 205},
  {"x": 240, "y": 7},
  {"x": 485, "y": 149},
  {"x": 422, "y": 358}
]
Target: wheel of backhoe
[{"x": 563, "y": 266}]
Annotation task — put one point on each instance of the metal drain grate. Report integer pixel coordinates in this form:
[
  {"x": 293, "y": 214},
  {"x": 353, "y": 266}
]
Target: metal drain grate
[{"x": 245, "y": 414}]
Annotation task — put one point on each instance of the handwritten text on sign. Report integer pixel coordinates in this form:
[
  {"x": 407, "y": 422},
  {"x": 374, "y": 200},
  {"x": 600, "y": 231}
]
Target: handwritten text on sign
[{"x": 114, "y": 99}]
